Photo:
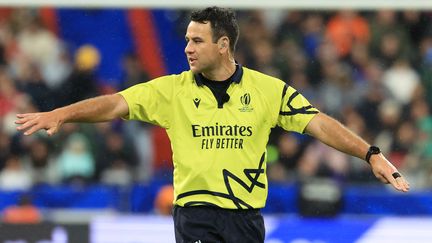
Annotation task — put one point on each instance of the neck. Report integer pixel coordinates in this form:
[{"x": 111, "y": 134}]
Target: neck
[{"x": 224, "y": 70}]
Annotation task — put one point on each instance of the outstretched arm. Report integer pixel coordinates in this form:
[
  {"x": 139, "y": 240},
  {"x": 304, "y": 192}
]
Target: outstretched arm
[
  {"x": 334, "y": 134},
  {"x": 98, "y": 109}
]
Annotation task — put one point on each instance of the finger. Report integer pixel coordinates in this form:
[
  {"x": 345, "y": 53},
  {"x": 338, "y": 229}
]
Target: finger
[
  {"x": 402, "y": 182},
  {"x": 382, "y": 179},
  {"x": 402, "y": 185},
  {"x": 406, "y": 183},
  {"x": 392, "y": 179},
  {"x": 26, "y": 125},
  {"x": 23, "y": 115},
  {"x": 22, "y": 120},
  {"x": 32, "y": 130},
  {"x": 27, "y": 116}
]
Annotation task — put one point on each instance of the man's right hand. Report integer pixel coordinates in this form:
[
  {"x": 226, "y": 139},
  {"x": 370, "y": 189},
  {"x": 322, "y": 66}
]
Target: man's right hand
[
  {"x": 32, "y": 122},
  {"x": 98, "y": 109}
]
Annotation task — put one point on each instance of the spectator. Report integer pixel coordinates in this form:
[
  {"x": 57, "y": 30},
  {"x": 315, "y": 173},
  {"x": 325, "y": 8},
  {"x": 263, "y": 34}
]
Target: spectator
[
  {"x": 31, "y": 82},
  {"x": 8, "y": 93},
  {"x": 82, "y": 82},
  {"x": 313, "y": 30},
  {"x": 345, "y": 29},
  {"x": 290, "y": 28},
  {"x": 416, "y": 23},
  {"x": 290, "y": 149},
  {"x": 389, "y": 115},
  {"x": 15, "y": 175},
  {"x": 390, "y": 40},
  {"x": 326, "y": 55},
  {"x": 426, "y": 66},
  {"x": 418, "y": 162},
  {"x": 23, "y": 213},
  {"x": 263, "y": 54},
  {"x": 118, "y": 174},
  {"x": 133, "y": 71},
  {"x": 40, "y": 158},
  {"x": 373, "y": 94},
  {"x": 76, "y": 163},
  {"x": 402, "y": 81},
  {"x": 404, "y": 138},
  {"x": 5, "y": 147},
  {"x": 42, "y": 48},
  {"x": 118, "y": 161},
  {"x": 421, "y": 114},
  {"x": 337, "y": 89},
  {"x": 359, "y": 60},
  {"x": 164, "y": 200},
  {"x": 11, "y": 101}
]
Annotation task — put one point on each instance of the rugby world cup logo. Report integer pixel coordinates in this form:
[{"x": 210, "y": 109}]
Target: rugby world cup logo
[{"x": 245, "y": 101}]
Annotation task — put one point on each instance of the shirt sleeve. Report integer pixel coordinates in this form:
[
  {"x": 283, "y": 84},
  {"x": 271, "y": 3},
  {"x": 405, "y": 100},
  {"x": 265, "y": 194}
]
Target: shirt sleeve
[
  {"x": 295, "y": 111},
  {"x": 151, "y": 101}
]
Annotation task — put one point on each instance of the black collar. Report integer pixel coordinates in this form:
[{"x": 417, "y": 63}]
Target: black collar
[{"x": 235, "y": 78}]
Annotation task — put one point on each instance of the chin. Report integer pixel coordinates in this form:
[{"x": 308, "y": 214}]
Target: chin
[{"x": 195, "y": 70}]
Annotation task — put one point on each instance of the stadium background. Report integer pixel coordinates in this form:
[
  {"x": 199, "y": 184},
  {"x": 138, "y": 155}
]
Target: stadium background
[{"x": 369, "y": 67}]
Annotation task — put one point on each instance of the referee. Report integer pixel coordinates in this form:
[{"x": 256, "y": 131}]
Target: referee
[{"x": 218, "y": 116}]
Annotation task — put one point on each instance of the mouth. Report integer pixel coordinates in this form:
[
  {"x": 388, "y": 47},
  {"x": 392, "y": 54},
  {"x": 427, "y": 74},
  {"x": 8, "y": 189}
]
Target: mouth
[{"x": 191, "y": 60}]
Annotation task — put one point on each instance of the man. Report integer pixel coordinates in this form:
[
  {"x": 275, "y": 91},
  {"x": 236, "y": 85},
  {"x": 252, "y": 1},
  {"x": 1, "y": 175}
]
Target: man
[{"x": 218, "y": 116}]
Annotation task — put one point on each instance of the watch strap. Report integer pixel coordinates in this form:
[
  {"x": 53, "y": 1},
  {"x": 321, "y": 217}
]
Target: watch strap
[{"x": 372, "y": 150}]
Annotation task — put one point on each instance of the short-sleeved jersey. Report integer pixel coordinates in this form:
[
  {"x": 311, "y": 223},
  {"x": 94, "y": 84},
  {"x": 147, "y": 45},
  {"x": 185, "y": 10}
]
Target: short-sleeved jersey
[{"x": 219, "y": 153}]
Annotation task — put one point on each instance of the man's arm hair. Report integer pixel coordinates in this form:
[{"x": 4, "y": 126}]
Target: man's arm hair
[
  {"x": 333, "y": 133},
  {"x": 98, "y": 109}
]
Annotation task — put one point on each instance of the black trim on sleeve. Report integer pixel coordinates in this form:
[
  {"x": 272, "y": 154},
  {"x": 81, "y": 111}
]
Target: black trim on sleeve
[
  {"x": 295, "y": 111},
  {"x": 284, "y": 90}
]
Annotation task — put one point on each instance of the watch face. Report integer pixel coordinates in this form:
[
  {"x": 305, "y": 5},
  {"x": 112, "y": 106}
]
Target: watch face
[{"x": 374, "y": 150}]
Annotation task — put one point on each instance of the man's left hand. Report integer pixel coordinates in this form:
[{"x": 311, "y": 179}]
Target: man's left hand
[{"x": 387, "y": 173}]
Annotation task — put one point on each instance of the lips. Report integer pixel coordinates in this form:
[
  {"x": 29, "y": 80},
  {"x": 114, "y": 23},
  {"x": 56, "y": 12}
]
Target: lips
[{"x": 191, "y": 60}]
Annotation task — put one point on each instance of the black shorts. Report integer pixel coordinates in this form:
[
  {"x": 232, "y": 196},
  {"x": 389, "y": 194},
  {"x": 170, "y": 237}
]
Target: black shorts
[{"x": 201, "y": 224}]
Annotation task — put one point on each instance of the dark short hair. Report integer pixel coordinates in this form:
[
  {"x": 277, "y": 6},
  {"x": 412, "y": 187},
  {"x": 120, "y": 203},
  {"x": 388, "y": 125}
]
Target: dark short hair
[{"x": 223, "y": 22}]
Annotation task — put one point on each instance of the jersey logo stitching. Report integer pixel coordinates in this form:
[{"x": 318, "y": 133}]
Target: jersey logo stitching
[
  {"x": 197, "y": 102},
  {"x": 245, "y": 101}
]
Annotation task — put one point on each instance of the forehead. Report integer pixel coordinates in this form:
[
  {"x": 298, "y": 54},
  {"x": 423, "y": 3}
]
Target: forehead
[{"x": 197, "y": 29}]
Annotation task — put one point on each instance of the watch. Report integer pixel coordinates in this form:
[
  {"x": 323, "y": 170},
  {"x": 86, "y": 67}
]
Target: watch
[{"x": 372, "y": 150}]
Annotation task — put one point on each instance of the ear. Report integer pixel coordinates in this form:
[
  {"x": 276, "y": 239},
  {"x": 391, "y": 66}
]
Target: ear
[{"x": 223, "y": 43}]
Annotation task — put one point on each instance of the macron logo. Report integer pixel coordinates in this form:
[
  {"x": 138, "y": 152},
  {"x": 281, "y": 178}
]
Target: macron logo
[{"x": 197, "y": 102}]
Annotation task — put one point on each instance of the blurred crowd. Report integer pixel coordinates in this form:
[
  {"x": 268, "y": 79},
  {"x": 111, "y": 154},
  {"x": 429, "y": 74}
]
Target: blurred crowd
[{"x": 370, "y": 70}]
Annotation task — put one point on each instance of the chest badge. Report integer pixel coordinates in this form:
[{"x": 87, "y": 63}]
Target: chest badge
[
  {"x": 197, "y": 102},
  {"x": 245, "y": 101}
]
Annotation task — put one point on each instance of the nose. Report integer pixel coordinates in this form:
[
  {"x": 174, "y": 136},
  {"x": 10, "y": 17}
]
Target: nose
[{"x": 188, "y": 48}]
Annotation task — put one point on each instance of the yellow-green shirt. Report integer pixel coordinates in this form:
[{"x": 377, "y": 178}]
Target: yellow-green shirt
[{"x": 219, "y": 153}]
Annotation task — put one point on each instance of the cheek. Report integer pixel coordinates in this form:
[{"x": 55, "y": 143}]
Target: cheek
[{"x": 210, "y": 54}]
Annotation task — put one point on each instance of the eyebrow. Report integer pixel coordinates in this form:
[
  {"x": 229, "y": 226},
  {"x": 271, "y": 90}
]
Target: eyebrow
[{"x": 194, "y": 38}]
